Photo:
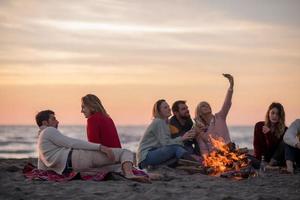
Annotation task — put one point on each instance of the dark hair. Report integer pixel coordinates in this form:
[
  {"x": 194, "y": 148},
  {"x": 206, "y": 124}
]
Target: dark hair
[
  {"x": 156, "y": 108},
  {"x": 175, "y": 106},
  {"x": 43, "y": 116},
  {"x": 280, "y": 126}
]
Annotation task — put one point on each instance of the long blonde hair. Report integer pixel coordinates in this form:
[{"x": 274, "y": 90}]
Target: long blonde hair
[
  {"x": 280, "y": 126},
  {"x": 198, "y": 114},
  {"x": 94, "y": 104},
  {"x": 156, "y": 109}
]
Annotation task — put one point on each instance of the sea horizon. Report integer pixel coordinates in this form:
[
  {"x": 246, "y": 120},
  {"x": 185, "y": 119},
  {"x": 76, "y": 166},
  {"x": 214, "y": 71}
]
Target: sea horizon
[{"x": 19, "y": 141}]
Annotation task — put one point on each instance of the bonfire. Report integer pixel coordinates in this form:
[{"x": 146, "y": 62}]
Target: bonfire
[{"x": 228, "y": 161}]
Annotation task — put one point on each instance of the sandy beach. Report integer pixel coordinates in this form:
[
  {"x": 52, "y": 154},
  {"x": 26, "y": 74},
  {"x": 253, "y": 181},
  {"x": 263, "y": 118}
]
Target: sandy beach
[{"x": 176, "y": 184}]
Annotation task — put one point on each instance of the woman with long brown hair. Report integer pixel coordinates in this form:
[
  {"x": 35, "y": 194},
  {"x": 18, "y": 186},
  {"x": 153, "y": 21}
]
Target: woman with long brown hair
[
  {"x": 100, "y": 127},
  {"x": 268, "y": 136}
]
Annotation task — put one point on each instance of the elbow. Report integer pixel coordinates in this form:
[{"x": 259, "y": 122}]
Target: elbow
[
  {"x": 289, "y": 141},
  {"x": 285, "y": 138}
]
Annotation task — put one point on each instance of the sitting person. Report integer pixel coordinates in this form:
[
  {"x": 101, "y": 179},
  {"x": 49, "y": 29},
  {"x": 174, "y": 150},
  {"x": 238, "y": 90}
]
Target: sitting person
[
  {"x": 209, "y": 126},
  {"x": 100, "y": 127},
  {"x": 268, "y": 136},
  {"x": 63, "y": 154},
  {"x": 180, "y": 123},
  {"x": 156, "y": 145},
  {"x": 292, "y": 148}
]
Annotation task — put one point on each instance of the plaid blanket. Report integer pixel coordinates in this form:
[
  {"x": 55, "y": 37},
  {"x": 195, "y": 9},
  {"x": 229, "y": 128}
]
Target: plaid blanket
[{"x": 31, "y": 172}]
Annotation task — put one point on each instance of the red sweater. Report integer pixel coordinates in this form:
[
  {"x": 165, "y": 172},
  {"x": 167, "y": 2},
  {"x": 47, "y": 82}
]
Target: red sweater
[
  {"x": 102, "y": 130},
  {"x": 264, "y": 143}
]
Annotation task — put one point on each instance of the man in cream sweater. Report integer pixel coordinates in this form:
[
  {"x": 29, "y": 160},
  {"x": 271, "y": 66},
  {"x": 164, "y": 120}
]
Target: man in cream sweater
[
  {"x": 292, "y": 150},
  {"x": 64, "y": 154}
]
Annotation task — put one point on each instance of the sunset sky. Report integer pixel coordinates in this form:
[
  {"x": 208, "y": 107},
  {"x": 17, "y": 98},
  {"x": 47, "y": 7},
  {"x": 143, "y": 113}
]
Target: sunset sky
[{"x": 131, "y": 53}]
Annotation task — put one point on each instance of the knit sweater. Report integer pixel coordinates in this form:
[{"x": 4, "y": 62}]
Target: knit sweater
[
  {"x": 54, "y": 147},
  {"x": 157, "y": 135},
  {"x": 102, "y": 130},
  {"x": 265, "y": 143}
]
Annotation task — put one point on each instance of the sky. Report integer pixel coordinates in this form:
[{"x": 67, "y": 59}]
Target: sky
[{"x": 131, "y": 53}]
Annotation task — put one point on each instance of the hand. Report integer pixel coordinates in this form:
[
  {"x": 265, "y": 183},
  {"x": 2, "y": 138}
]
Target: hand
[
  {"x": 108, "y": 151},
  {"x": 265, "y": 129},
  {"x": 199, "y": 124},
  {"x": 230, "y": 79},
  {"x": 201, "y": 134},
  {"x": 188, "y": 135}
]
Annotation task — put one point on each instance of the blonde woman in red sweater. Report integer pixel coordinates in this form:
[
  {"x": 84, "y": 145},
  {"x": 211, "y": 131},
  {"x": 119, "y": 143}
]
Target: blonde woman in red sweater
[{"x": 100, "y": 128}]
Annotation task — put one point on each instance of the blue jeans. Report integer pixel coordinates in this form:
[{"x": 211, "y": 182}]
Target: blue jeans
[
  {"x": 292, "y": 153},
  {"x": 159, "y": 155}
]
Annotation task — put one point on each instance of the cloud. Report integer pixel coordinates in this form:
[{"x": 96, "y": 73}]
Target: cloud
[{"x": 155, "y": 35}]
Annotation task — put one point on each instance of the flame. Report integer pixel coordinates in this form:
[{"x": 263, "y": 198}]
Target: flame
[{"x": 222, "y": 159}]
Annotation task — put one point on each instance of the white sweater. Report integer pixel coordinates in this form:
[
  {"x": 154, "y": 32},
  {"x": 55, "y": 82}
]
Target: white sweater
[
  {"x": 291, "y": 136},
  {"x": 54, "y": 147}
]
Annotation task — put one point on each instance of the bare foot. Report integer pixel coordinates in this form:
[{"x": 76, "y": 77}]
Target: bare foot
[
  {"x": 290, "y": 170},
  {"x": 286, "y": 171},
  {"x": 289, "y": 166}
]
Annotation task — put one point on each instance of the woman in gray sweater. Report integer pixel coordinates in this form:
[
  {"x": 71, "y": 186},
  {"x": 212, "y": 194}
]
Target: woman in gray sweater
[{"x": 156, "y": 145}]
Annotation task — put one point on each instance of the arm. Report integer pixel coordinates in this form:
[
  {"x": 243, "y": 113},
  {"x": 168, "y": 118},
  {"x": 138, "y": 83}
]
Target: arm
[
  {"x": 290, "y": 137},
  {"x": 258, "y": 141},
  {"x": 53, "y": 135},
  {"x": 200, "y": 130},
  {"x": 227, "y": 103},
  {"x": 110, "y": 131},
  {"x": 202, "y": 146},
  {"x": 269, "y": 139},
  {"x": 163, "y": 134}
]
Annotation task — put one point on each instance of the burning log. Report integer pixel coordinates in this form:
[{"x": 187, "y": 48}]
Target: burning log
[
  {"x": 228, "y": 161},
  {"x": 245, "y": 172}
]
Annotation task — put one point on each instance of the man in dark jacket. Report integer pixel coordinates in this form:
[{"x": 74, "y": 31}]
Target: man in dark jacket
[{"x": 180, "y": 123}]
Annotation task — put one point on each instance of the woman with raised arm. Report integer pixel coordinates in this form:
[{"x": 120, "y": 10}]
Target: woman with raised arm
[{"x": 209, "y": 125}]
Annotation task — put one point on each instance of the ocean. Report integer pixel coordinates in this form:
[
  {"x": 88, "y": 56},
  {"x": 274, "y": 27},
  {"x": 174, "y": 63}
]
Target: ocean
[{"x": 20, "y": 141}]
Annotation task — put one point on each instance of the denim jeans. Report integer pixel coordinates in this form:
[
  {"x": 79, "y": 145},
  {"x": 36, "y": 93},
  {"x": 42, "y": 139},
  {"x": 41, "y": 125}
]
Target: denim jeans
[
  {"x": 160, "y": 155},
  {"x": 292, "y": 154}
]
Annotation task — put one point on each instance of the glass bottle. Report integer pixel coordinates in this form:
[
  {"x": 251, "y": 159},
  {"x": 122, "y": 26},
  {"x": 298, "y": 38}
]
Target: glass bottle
[{"x": 262, "y": 168}]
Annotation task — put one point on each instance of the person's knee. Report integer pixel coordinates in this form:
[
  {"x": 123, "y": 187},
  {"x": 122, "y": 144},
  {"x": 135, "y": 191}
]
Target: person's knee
[
  {"x": 180, "y": 151},
  {"x": 290, "y": 152},
  {"x": 127, "y": 151},
  {"x": 125, "y": 154}
]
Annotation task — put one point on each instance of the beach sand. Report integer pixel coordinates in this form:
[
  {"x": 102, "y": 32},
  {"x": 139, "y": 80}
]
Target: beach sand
[{"x": 176, "y": 184}]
